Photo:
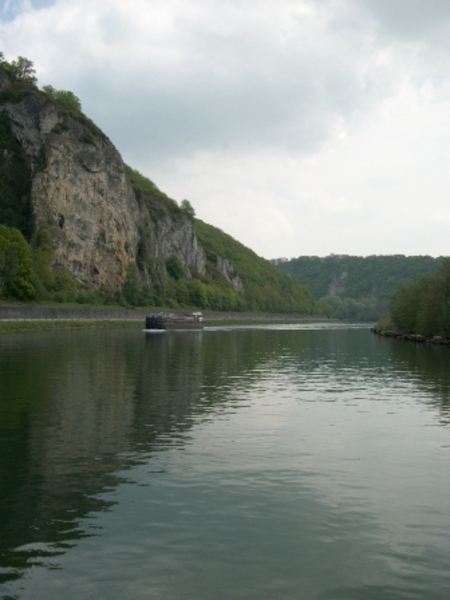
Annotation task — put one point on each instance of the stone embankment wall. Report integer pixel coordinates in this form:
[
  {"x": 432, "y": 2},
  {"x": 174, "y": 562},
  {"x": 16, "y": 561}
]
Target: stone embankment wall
[
  {"x": 410, "y": 337},
  {"x": 32, "y": 313}
]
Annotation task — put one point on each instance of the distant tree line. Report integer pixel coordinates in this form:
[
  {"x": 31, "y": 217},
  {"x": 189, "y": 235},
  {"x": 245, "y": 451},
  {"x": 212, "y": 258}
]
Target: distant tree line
[{"x": 357, "y": 287}]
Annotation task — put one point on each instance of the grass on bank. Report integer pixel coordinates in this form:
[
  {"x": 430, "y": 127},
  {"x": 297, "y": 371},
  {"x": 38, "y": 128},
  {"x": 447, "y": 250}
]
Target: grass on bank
[{"x": 60, "y": 324}]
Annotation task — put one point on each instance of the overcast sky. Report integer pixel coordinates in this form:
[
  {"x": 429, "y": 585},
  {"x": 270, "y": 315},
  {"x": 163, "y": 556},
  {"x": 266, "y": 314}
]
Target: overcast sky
[{"x": 299, "y": 127}]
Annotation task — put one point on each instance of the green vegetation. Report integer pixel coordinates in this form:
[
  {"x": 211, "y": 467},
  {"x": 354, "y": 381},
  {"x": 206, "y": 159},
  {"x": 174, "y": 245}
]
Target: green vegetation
[
  {"x": 16, "y": 265},
  {"x": 48, "y": 324},
  {"x": 64, "y": 98},
  {"x": 146, "y": 190},
  {"x": 132, "y": 290},
  {"x": 188, "y": 209},
  {"x": 358, "y": 287},
  {"x": 424, "y": 306},
  {"x": 265, "y": 288},
  {"x": 22, "y": 76},
  {"x": 20, "y": 69},
  {"x": 174, "y": 268},
  {"x": 236, "y": 279}
]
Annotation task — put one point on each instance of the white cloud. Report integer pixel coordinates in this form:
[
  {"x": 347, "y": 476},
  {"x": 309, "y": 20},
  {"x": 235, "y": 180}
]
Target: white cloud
[{"x": 299, "y": 127}]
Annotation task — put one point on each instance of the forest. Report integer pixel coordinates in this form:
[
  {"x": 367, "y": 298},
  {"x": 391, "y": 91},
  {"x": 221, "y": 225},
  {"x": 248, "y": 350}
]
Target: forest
[
  {"x": 423, "y": 307},
  {"x": 358, "y": 287}
]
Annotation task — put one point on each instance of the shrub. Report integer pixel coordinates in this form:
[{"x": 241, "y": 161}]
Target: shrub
[
  {"x": 16, "y": 265},
  {"x": 174, "y": 267}
]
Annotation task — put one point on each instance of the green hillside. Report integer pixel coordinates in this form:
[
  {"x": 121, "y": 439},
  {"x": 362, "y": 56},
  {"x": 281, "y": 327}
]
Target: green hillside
[
  {"x": 356, "y": 286},
  {"x": 265, "y": 288}
]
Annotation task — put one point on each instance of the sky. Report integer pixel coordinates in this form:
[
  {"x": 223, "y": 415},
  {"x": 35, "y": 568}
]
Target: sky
[{"x": 299, "y": 127}]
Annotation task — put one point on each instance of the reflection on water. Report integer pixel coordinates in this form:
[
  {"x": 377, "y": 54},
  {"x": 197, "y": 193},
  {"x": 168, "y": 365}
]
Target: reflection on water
[{"x": 273, "y": 462}]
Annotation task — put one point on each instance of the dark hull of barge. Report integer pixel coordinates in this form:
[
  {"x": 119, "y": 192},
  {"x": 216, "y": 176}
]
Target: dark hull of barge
[{"x": 175, "y": 323}]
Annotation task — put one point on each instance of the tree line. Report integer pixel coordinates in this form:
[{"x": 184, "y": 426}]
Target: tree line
[
  {"x": 357, "y": 287},
  {"x": 423, "y": 307}
]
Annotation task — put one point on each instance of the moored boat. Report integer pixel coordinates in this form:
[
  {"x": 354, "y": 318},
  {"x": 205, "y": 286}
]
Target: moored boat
[{"x": 162, "y": 322}]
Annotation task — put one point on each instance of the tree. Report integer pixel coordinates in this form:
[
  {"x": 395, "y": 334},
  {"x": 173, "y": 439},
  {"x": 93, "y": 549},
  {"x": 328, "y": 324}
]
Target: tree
[
  {"x": 197, "y": 293},
  {"x": 187, "y": 208},
  {"x": 16, "y": 265},
  {"x": 174, "y": 267},
  {"x": 23, "y": 70},
  {"x": 424, "y": 306},
  {"x": 65, "y": 98},
  {"x": 42, "y": 252},
  {"x": 131, "y": 290}
]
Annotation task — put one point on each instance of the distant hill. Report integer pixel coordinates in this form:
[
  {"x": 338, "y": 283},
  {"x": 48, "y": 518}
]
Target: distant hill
[{"x": 357, "y": 287}]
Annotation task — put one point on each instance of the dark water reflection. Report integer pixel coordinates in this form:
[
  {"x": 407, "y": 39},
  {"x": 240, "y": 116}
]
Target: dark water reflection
[{"x": 234, "y": 463}]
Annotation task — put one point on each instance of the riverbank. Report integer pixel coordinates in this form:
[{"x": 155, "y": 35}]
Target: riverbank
[
  {"x": 410, "y": 337},
  {"x": 26, "y": 317}
]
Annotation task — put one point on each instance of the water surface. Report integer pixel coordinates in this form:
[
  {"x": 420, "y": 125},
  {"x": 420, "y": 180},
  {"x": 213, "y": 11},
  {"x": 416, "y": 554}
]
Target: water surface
[{"x": 279, "y": 462}]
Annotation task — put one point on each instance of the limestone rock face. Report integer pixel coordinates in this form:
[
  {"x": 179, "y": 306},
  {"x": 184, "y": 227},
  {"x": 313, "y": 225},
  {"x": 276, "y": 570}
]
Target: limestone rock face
[
  {"x": 339, "y": 284},
  {"x": 224, "y": 266},
  {"x": 80, "y": 191},
  {"x": 84, "y": 196},
  {"x": 165, "y": 233}
]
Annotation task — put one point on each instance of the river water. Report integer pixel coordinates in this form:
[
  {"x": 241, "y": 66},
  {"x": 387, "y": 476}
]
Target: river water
[{"x": 272, "y": 463}]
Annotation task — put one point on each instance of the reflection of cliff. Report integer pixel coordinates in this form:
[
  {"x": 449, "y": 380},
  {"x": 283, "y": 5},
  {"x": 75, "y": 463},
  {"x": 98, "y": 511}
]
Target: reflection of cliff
[
  {"x": 68, "y": 412},
  {"x": 186, "y": 374},
  {"x": 77, "y": 408}
]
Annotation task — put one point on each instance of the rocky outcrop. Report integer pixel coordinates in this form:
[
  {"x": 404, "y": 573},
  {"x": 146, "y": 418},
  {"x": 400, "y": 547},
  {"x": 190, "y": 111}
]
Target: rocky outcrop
[
  {"x": 84, "y": 196},
  {"x": 224, "y": 267},
  {"x": 81, "y": 193},
  {"x": 338, "y": 285},
  {"x": 165, "y": 233}
]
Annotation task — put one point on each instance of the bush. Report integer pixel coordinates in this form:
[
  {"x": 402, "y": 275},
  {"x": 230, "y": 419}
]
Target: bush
[
  {"x": 174, "y": 267},
  {"x": 65, "y": 98},
  {"x": 16, "y": 265}
]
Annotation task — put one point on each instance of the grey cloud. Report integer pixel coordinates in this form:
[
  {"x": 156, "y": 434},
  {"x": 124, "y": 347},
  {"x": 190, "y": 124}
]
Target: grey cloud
[
  {"x": 295, "y": 110},
  {"x": 231, "y": 75},
  {"x": 411, "y": 19},
  {"x": 238, "y": 87}
]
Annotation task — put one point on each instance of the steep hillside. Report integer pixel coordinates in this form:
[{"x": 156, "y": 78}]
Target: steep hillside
[
  {"x": 261, "y": 285},
  {"x": 92, "y": 228},
  {"x": 356, "y": 286}
]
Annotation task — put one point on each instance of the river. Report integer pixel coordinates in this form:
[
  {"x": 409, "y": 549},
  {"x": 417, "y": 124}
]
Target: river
[{"x": 270, "y": 463}]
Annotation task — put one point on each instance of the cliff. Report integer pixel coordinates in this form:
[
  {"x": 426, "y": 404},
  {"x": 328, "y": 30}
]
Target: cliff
[
  {"x": 80, "y": 191},
  {"x": 100, "y": 226}
]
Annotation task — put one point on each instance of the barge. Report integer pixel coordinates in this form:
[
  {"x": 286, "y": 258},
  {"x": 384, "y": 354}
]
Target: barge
[{"x": 162, "y": 322}]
